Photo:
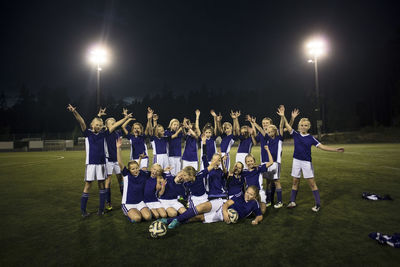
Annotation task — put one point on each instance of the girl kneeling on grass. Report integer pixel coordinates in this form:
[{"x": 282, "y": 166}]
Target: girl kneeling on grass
[
  {"x": 132, "y": 204},
  {"x": 217, "y": 211},
  {"x": 303, "y": 142}
]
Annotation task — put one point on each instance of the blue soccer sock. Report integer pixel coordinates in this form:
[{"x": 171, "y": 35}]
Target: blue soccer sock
[
  {"x": 268, "y": 195},
  {"x": 317, "y": 198},
  {"x": 273, "y": 188},
  {"x": 293, "y": 195},
  {"x": 121, "y": 187},
  {"x": 190, "y": 213},
  {"x": 84, "y": 200},
  {"x": 102, "y": 198},
  {"x": 108, "y": 195},
  {"x": 279, "y": 194}
]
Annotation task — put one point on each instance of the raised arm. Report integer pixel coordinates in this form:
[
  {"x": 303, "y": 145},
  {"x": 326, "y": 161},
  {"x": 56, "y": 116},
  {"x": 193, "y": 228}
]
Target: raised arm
[
  {"x": 78, "y": 117},
  {"x": 125, "y": 124},
  {"x": 120, "y": 122},
  {"x": 270, "y": 158},
  {"x": 189, "y": 129},
  {"x": 212, "y": 112},
  {"x": 155, "y": 121},
  {"x": 102, "y": 112},
  {"x": 236, "y": 127},
  {"x": 255, "y": 125},
  {"x": 149, "y": 126},
  {"x": 331, "y": 149},
  {"x": 295, "y": 113},
  {"x": 197, "y": 124},
  {"x": 252, "y": 131},
  {"x": 281, "y": 112},
  {"x": 176, "y": 134},
  {"x": 119, "y": 156}
]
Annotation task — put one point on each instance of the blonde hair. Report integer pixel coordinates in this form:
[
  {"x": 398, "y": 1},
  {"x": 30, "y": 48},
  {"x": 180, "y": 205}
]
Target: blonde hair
[
  {"x": 267, "y": 119},
  {"x": 208, "y": 126},
  {"x": 138, "y": 124},
  {"x": 132, "y": 162},
  {"x": 96, "y": 119},
  {"x": 171, "y": 122},
  {"x": 109, "y": 119},
  {"x": 305, "y": 119},
  {"x": 250, "y": 156},
  {"x": 158, "y": 166},
  {"x": 274, "y": 128},
  {"x": 225, "y": 125},
  {"x": 256, "y": 191},
  {"x": 189, "y": 170}
]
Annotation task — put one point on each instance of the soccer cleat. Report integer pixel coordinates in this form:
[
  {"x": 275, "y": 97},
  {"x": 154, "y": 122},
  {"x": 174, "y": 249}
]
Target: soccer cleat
[
  {"x": 316, "y": 208},
  {"x": 268, "y": 204},
  {"x": 175, "y": 223},
  {"x": 85, "y": 214},
  {"x": 108, "y": 207},
  {"x": 278, "y": 205},
  {"x": 163, "y": 220},
  {"x": 100, "y": 213},
  {"x": 291, "y": 205}
]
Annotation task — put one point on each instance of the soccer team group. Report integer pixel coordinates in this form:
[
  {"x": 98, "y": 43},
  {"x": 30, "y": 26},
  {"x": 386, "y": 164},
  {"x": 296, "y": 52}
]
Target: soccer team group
[{"x": 211, "y": 190}]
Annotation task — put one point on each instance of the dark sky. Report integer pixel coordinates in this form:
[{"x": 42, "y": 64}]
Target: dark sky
[{"x": 185, "y": 44}]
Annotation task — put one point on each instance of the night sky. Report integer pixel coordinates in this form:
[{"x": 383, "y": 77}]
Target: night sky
[{"x": 184, "y": 45}]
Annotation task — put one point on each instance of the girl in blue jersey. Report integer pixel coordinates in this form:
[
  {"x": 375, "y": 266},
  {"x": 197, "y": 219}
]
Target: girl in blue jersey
[
  {"x": 210, "y": 134},
  {"x": 192, "y": 134},
  {"x": 132, "y": 203},
  {"x": 95, "y": 157},
  {"x": 227, "y": 137},
  {"x": 158, "y": 140},
  {"x": 252, "y": 175},
  {"x": 137, "y": 139},
  {"x": 217, "y": 210},
  {"x": 247, "y": 139},
  {"x": 152, "y": 188},
  {"x": 303, "y": 142},
  {"x": 175, "y": 136},
  {"x": 169, "y": 195},
  {"x": 235, "y": 181}
]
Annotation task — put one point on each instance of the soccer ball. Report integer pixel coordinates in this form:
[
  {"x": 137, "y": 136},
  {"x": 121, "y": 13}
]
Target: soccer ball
[
  {"x": 233, "y": 215},
  {"x": 157, "y": 229}
]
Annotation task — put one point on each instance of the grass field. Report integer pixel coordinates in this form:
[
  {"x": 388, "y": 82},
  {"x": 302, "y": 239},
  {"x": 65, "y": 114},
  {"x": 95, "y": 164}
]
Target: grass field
[{"x": 41, "y": 223}]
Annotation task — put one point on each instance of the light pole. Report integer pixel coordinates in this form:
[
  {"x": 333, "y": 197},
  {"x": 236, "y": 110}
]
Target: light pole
[
  {"x": 316, "y": 48},
  {"x": 98, "y": 57}
]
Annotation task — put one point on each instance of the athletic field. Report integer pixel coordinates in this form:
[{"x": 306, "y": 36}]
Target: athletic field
[{"x": 41, "y": 222}]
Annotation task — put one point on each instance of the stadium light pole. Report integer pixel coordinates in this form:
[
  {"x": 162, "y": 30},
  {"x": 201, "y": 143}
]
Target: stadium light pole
[
  {"x": 98, "y": 57},
  {"x": 316, "y": 48}
]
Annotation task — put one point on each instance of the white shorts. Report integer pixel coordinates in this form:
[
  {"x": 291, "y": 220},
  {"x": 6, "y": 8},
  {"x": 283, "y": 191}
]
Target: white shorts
[
  {"x": 127, "y": 207},
  {"x": 95, "y": 172},
  {"x": 144, "y": 163},
  {"x": 194, "y": 164},
  {"x": 154, "y": 205},
  {"x": 199, "y": 200},
  {"x": 161, "y": 159},
  {"x": 112, "y": 167},
  {"x": 171, "y": 203},
  {"x": 241, "y": 157},
  {"x": 263, "y": 196},
  {"x": 273, "y": 171},
  {"x": 302, "y": 166},
  {"x": 215, "y": 214},
  {"x": 176, "y": 164}
]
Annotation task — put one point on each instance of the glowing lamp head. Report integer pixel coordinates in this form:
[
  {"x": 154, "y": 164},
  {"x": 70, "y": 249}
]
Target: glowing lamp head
[
  {"x": 98, "y": 56},
  {"x": 316, "y": 48}
]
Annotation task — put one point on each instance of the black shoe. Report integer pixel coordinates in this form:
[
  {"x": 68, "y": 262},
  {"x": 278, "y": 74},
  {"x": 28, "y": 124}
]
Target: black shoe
[
  {"x": 100, "y": 213},
  {"x": 85, "y": 214}
]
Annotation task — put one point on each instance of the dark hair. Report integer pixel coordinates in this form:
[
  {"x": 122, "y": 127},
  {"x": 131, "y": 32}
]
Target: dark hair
[{"x": 257, "y": 191}]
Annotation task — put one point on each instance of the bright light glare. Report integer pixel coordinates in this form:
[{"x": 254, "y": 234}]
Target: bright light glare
[
  {"x": 316, "y": 48},
  {"x": 98, "y": 56}
]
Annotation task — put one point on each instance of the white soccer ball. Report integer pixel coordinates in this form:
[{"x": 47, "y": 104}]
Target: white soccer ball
[
  {"x": 157, "y": 229},
  {"x": 233, "y": 215}
]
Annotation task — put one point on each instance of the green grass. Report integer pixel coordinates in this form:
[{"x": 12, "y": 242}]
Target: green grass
[{"x": 41, "y": 223}]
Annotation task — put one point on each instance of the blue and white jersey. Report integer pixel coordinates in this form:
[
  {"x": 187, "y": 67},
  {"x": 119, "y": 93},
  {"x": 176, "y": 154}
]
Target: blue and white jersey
[
  {"x": 172, "y": 190},
  {"x": 211, "y": 147},
  {"x": 150, "y": 191},
  {"x": 275, "y": 147},
  {"x": 138, "y": 145},
  {"x": 133, "y": 186},
  {"x": 159, "y": 145},
  {"x": 111, "y": 147},
  {"x": 253, "y": 177},
  {"x": 190, "y": 150},
  {"x": 94, "y": 144},
  {"x": 263, "y": 142},
  {"x": 302, "y": 145},
  {"x": 243, "y": 208},
  {"x": 197, "y": 187},
  {"x": 227, "y": 142},
  {"x": 245, "y": 144},
  {"x": 174, "y": 144},
  {"x": 235, "y": 185},
  {"x": 216, "y": 183}
]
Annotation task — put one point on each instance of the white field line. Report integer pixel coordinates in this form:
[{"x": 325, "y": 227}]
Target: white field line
[{"x": 32, "y": 163}]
